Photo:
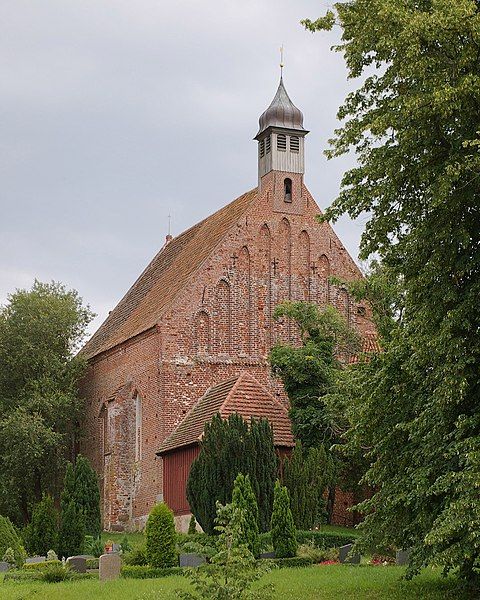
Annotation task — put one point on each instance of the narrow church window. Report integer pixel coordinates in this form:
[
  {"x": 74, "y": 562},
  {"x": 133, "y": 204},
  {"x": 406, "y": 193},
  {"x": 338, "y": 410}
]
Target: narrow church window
[
  {"x": 105, "y": 429},
  {"x": 287, "y": 184},
  {"x": 294, "y": 143},
  {"x": 261, "y": 146},
  {"x": 267, "y": 145},
  {"x": 281, "y": 142},
  {"x": 138, "y": 428}
]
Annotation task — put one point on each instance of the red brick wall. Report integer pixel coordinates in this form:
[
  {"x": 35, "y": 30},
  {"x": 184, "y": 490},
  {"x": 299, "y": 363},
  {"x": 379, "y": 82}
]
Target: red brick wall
[{"x": 218, "y": 327}]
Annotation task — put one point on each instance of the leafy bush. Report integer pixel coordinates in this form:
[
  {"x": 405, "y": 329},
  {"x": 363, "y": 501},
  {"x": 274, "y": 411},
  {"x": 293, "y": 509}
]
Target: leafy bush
[
  {"x": 326, "y": 539},
  {"x": 244, "y": 499},
  {"x": 317, "y": 555},
  {"x": 161, "y": 537},
  {"x": 125, "y": 544},
  {"x": 93, "y": 546},
  {"x": 183, "y": 539},
  {"x": 55, "y": 573},
  {"x": 145, "y": 572},
  {"x": 283, "y": 527},
  {"x": 43, "y": 530},
  {"x": 137, "y": 557},
  {"x": 9, "y": 556},
  {"x": 41, "y": 566},
  {"x": 92, "y": 563},
  {"x": 9, "y": 538}
]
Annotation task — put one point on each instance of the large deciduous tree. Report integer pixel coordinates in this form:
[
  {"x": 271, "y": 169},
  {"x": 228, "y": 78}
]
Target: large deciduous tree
[
  {"x": 40, "y": 332},
  {"x": 414, "y": 125}
]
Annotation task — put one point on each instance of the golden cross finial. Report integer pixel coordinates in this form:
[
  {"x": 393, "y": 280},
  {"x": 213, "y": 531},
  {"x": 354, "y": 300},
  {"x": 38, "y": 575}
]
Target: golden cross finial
[{"x": 282, "y": 64}]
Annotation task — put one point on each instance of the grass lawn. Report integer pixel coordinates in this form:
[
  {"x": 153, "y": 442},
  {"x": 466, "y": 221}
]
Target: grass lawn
[
  {"x": 314, "y": 583},
  {"x": 135, "y": 539}
]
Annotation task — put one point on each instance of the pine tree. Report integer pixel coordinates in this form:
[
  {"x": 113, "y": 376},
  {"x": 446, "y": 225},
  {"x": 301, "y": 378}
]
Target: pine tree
[
  {"x": 87, "y": 495},
  {"x": 72, "y": 530},
  {"x": 244, "y": 499},
  {"x": 161, "y": 537},
  {"x": 192, "y": 526},
  {"x": 229, "y": 447},
  {"x": 283, "y": 528},
  {"x": 43, "y": 530},
  {"x": 9, "y": 538}
]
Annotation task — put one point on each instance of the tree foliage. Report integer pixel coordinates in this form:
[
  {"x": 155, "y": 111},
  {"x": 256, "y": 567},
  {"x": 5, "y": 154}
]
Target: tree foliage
[
  {"x": 43, "y": 527},
  {"x": 414, "y": 126},
  {"x": 161, "y": 537},
  {"x": 87, "y": 495},
  {"x": 243, "y": 497},
  {"x": 9, "y": 538},
  {"x": 40, "y": 332},
  {"x": 306, "y": 475},
  {"x": 282, "y": 526},
  {"x": 72, "y": 529},
  {"x": 230, "y": 447}
]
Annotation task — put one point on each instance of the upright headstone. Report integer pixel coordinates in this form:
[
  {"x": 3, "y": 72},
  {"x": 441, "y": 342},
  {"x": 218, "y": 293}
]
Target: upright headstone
[
  {"x": 77, "y": 564},
  {"x": 402, "y": 558},
  {"x": 4, "y": 566},
  {"x": 353, "y": 559},
  {"x": 109, "y": 566},
  {"x": 35, "y": 559}
]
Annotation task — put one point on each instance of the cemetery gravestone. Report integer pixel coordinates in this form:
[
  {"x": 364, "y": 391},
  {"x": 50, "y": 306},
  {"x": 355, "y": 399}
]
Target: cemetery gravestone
[
  {"x": 353, "y": 559},
  {"x": 191, "y": 560},
  {"x": 109, "y": 566},
  {"x": 4, "y": 566},
  {"x": 35, "y": 559},
  {"x": 402, "y": 558},
  {"x": 77, "y": 564}
]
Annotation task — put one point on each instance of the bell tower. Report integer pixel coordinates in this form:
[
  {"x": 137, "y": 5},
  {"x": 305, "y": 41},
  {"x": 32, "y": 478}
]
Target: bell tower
[{"x": 281, "y": 151}]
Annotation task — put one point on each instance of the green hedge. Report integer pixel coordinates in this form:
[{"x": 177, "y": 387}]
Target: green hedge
[
  {"x": 40, "y": 565},
  {"x": 138, "y": 572},
  {"x": 320, "y": 539},
  {"x": 92, "y": 563},
  {"x": 36, "y": 575},
  {"x": 294, "y": 561}
]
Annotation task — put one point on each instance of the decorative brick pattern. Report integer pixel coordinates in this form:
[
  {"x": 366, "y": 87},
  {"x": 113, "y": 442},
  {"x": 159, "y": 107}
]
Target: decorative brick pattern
[{"x": 200, "y": 314}]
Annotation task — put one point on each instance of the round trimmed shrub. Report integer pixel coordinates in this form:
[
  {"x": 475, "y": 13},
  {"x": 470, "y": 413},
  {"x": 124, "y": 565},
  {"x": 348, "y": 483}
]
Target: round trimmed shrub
[{"x": 161, "y": 537}]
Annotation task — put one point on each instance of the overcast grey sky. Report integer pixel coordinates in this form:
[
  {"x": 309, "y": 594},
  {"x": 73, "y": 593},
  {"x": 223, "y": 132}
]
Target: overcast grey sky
[{"x": 100, "y": 102}]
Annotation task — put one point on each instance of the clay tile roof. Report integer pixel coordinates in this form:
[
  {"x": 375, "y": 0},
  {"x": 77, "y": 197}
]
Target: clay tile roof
[
  {"x": 243, "y": 395},
  {"x": 369, "y": 345},
  {"x": 165, "y": 277}
]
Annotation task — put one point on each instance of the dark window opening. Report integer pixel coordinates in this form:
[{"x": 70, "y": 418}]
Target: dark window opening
[
  {"x": 287, "y": 186},
  {"x": 281, "y": 142}
]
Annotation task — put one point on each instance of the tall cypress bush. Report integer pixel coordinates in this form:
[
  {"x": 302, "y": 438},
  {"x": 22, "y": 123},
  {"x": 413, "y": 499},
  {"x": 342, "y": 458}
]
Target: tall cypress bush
[
  {"x": 244, "y": 499},
  {"x": 72, "y": 530},
  {"x": 283, "y": 528},
  {"x": 306, "y": 475},
  {"x": 230, "y": 447},
  {"x": 87, "y": 495},
  {"x": 9, "y": 538},
  {"x": 43, "y": 530}
]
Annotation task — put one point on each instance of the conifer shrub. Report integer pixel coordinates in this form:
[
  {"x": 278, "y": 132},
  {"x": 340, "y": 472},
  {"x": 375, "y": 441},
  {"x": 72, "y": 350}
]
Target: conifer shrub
[
  {"x": 192, "y": 526},
  {"x": 86, "y": 494},
  {"x": 9, "y": 538},
  {"x": 244, "y": 499},
  {"x": 161, "y": 537},
  {"x": 283, "y": 528},
  {"x": 72, "y": 530},
  {"x": 229, "y": 447},
  {"x": 43, "y": 530}
]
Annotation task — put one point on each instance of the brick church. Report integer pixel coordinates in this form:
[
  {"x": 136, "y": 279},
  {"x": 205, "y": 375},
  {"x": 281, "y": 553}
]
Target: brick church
[{"x": 191, "y": 336}]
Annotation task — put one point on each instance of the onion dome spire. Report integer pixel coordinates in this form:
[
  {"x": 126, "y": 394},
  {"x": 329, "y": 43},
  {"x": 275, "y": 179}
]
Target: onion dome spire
[{"x": 282, "y": 112}]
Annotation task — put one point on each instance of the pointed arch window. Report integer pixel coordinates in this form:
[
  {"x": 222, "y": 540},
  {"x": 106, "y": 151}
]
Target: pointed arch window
[{"x": 287, "y": 188}]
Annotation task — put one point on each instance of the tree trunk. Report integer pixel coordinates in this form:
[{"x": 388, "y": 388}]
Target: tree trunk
[{"x": 330, "y": 504}]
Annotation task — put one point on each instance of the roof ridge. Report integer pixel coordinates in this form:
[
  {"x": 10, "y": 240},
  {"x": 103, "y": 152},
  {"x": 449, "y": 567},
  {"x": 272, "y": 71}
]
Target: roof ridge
[{"x": 282, "y": 406}]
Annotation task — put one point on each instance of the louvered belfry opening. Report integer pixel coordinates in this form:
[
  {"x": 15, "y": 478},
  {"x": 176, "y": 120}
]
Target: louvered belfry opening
[{"x": 282, "y": 142}]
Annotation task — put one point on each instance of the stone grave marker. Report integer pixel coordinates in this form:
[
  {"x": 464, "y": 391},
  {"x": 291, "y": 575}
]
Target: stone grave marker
[
  {"x": 35, "y": 559},
  {"x": 109, "y": 566},
  {"x": 402, "y": 558},
  {"x": 354, "y": 559},
  {"x": 4, "y": 566},
  {"x": 191, "y": 559},
  {"x": 267, "y": 555},
  {"x": 77, "y": 564}
]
